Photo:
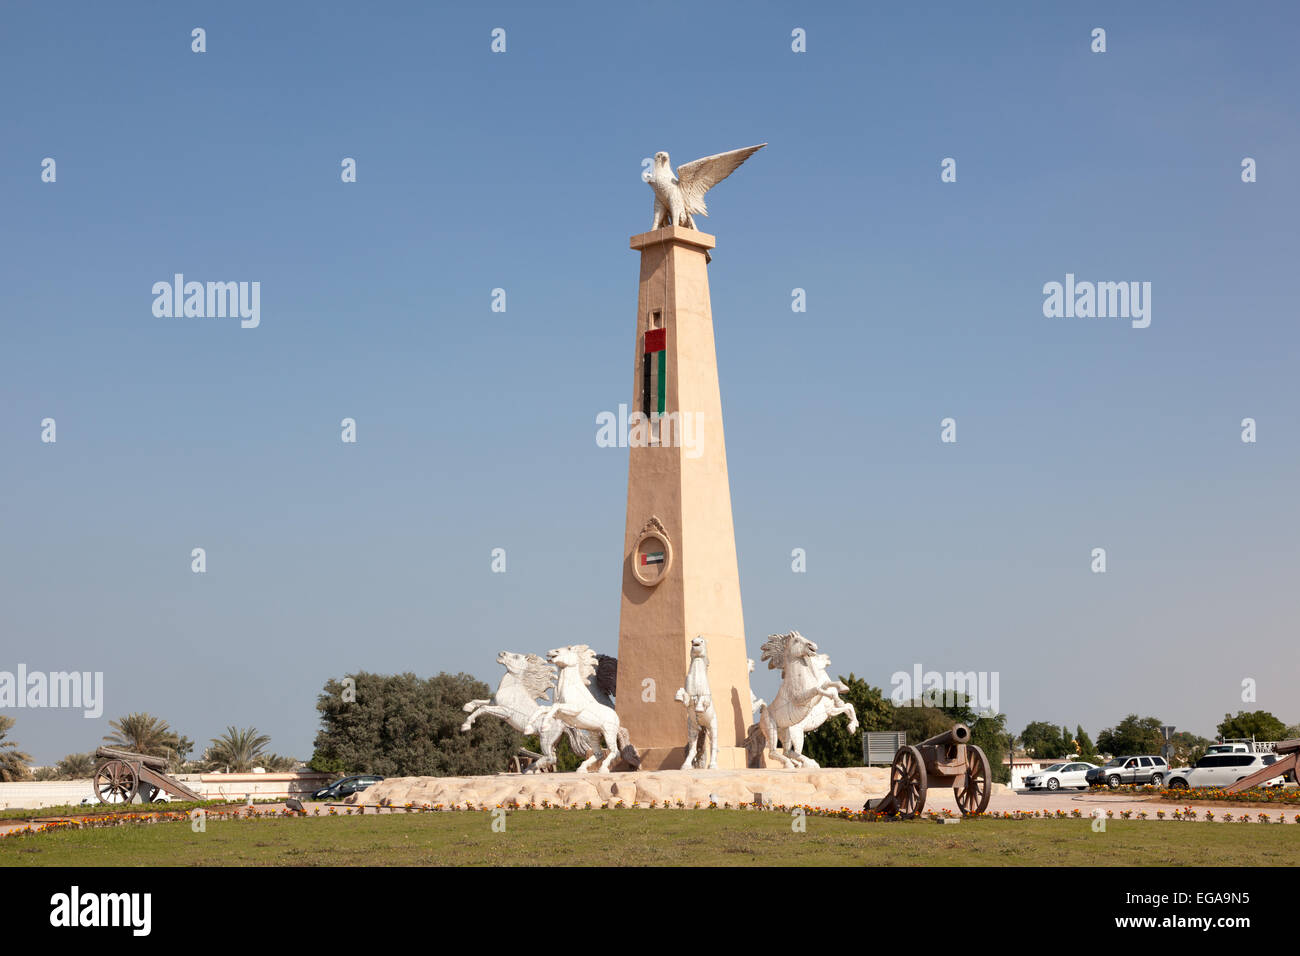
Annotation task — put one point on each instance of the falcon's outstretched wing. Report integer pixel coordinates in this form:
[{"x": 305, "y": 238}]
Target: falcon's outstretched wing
[{"x": 696, "y": 178}]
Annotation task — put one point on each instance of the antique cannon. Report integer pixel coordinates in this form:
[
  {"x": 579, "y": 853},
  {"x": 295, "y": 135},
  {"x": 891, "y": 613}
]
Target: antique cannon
[
  {"x": 1288, "y": 762},
  {"x": 123, "y": 774},
  {"x": 948, "y": 759}
]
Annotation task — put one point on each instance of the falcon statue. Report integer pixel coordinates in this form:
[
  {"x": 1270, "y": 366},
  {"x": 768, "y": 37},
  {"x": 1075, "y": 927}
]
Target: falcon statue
[{"x": 679, "y": 198}]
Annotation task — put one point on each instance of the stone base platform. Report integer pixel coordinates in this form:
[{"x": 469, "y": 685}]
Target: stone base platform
[
  {"x": 830, "y": 788},
  {"x": 672, "y": 758}
]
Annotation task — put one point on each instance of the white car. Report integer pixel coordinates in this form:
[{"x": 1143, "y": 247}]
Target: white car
[
  {"x": 1060, "y": 775},
  {"x": 1226, "y": 749},
  {"x": 159, "y": 796},
  {"x": 1222, "y": 770}
]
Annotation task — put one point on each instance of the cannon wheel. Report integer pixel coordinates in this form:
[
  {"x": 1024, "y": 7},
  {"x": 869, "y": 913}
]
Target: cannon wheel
[
  {"x": 116, "y": 778},
  {"x": 907, "y": 781},
  {"x": 973, "y": 794}
]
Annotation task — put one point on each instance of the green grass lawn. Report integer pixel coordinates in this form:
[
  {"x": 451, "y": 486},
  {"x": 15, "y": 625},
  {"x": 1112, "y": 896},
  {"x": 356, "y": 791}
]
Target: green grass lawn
[{"x": 655, "y": 837}]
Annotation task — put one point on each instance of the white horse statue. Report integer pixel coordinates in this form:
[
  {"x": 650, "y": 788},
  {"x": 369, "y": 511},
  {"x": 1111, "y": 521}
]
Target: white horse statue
[
  {"x": 522, "y": 700},
  {"x": 701, "y": 718},
  {"x": 756, "y": 703},
  {"x": 802, "y": 691},
  {"x": 528, "y": 679},
  {"x": 827, "y": 707},
  {"x": 577, "y": 708}
]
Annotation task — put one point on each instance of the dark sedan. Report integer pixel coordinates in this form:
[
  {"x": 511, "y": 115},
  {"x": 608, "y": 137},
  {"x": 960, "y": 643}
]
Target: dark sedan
[{"x": 346, "y": 787}]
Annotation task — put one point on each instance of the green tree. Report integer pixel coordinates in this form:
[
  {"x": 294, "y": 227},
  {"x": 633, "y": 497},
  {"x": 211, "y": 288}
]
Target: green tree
[
  {"x": 323, "y": 763},
  {"x": 831, "y": 744},
  {"x": 1259, "y": 724},
  {"x": 401, "y": 725},
  {"x": 1084, "y": 746},
  {"x": 180, "y": 754},
  {"x": 76, "y": 766},
  {"x": 238, "y": 750},
  {"x": 143, "y": 734},
  {"x": 920, "y": 721},
  {"x": 1133, "y": 735},
  {"x": 1045, "y": 741},
  {"x": 1188, "y": 747},
  {"x": 278, "y": 764},
  {"x": 13, "y": 762}
]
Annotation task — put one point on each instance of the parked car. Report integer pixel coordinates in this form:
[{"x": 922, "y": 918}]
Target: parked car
[
  {"x": 1150, "y": 769},
  {"x": 1227, "y": 749},
  {"x": 1060, "y": 775},
  {"x": 345, "y": 787},
  {"x": 159, "y": 796},
  {"x": 1222, "y": 770}
]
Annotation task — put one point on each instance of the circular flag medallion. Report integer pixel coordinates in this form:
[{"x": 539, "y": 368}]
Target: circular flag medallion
[{"x": 652, "y": 556}]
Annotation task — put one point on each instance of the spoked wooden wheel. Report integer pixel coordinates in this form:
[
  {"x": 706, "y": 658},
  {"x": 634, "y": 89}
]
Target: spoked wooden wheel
[
  {"x": 907, "y": 781},
  {"x": 116, "y": 782},
  {"x": 973, "y": 795}
]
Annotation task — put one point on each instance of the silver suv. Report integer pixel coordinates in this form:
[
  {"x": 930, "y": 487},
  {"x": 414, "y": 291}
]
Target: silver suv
[{"x": 1152, "y": 770}]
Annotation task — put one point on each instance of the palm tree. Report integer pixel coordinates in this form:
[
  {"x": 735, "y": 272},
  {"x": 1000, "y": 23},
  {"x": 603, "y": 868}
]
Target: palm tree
[
  {"x": 238, "y": 749},
  {"x": 76, "y": 766},
  {"x": 143, "y": 734},
  {"x": 275, "y": 763},
  {"x": 180, "y": 755},
  {"x": 13, "y": 762}
]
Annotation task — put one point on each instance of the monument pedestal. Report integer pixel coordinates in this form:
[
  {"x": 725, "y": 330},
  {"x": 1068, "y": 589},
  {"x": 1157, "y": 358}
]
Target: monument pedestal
[
  {"x": 671, "y": 758},
  {"x": 680, "y": 577},
  {"x": 831, "y": 788}
]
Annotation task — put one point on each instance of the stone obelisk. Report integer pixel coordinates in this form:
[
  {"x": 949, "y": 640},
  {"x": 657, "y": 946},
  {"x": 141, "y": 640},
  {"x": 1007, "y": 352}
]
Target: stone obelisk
[{"x": 680, "y": 578}]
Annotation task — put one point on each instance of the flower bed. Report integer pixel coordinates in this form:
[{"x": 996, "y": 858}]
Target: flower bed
[
  {"x": 1274, "y": 795},
  {"x": 102, "y": 820},
  {"x": 1284, "y": 796},
  {"x": 97, "y": 821},
  {"x": 844, "y": 813}
]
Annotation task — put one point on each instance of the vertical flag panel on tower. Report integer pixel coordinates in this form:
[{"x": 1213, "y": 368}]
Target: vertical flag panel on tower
[{"x": 654, "y": 385}]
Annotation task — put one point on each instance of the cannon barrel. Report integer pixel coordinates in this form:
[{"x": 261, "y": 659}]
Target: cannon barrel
[
  {"x": 112, "y": 753},
  {"x": 1287, "y": 746},
  {"x": 960, "y": 734}
]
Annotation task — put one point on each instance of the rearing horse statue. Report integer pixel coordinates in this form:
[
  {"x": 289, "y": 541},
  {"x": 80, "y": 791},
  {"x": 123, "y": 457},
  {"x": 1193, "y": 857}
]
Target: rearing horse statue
[
  {"x": 701, "y": 718},
  {"x": 522, "y": 700},
  {"x": 802, "y": 691},
  {"x": 576, "y": 707}
]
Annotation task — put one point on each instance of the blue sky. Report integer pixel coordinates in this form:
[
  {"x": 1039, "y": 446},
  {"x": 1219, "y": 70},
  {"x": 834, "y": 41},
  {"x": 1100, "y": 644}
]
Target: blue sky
[{"x": 476, "y": 429}]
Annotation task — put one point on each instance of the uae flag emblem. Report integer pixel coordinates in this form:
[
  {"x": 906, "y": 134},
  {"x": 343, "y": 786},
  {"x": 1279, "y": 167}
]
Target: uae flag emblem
[
  {"x": 652, "y": 557},
  {"x": 654, "y": 380}
]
